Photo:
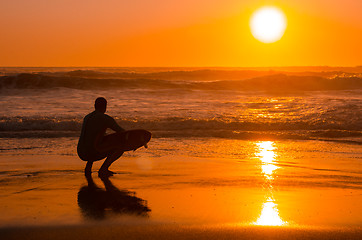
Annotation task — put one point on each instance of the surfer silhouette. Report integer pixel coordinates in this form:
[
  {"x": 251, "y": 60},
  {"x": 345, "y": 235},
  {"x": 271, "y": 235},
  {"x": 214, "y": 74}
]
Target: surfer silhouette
[{"x": 94, "y": 145}]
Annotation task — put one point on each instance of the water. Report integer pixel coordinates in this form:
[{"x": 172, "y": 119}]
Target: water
[
  {"x": 230, "y": 146},
  {"x": 227, "y": 103},
  {"x": 289, "y": 183}
]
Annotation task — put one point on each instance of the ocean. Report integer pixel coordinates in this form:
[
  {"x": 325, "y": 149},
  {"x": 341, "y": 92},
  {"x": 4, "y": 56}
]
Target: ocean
[{"x": 207, "y": 103}]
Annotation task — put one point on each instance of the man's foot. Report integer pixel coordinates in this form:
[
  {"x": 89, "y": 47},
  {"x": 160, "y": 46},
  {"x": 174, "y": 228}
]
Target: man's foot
[{"x": 105, "y": 173}]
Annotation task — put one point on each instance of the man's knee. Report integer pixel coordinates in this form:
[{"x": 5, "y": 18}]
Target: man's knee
[{"x": 116, "y": 154}]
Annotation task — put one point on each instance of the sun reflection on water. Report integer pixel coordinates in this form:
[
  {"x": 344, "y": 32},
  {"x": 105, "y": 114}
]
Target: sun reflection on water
[
  {"x": 267, "y": 156},
  {"x": 270, "y": 214}
]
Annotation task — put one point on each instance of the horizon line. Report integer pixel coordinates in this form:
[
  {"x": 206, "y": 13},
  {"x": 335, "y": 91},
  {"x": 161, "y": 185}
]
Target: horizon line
[{"x": 296, "y": 66}]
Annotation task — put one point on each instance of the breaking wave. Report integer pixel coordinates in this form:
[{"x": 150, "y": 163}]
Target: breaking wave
[
  {"x": 185, "y": 127},
  {"x": 225, "y": 103},
  {"x": 190, "y": 80}
]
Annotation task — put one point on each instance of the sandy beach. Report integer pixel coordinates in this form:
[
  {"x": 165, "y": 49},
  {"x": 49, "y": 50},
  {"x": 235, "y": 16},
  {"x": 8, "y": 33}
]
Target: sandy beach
[{"x": 208, "y": 189}]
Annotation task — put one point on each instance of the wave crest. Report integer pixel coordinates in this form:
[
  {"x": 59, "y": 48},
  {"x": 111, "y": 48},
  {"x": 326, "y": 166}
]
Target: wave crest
[
  {"x": 247, "y": 82},
  {"x": 184, "y": 127}
]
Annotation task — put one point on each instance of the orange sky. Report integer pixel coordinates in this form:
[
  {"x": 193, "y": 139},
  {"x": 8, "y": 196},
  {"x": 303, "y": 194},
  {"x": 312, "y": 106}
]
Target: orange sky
[{"x": 176, "y": 33}]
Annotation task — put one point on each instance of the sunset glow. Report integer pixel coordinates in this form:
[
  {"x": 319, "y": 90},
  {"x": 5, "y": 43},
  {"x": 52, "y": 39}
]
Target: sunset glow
[
  {"x": 180, "y": 33},
  {"x": 170, "y": 119}
]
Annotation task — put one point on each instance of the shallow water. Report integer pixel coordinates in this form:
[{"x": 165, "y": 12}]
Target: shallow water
[{"x": 187, "y": 181}]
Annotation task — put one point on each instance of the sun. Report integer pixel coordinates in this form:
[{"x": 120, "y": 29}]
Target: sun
[{"x": 268, "y": 24}]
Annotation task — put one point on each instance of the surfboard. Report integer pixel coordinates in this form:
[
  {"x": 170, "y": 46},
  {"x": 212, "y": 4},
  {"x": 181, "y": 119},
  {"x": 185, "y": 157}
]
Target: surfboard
[{"x": 134, "y": 139}]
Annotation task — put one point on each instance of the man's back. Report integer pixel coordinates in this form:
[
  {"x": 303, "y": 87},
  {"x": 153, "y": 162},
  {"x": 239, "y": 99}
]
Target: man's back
[{"x": 94, "y": 126}]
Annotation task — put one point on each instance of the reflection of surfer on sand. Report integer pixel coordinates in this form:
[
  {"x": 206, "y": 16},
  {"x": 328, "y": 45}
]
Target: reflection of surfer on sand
[
  {"x": 94, "y": 145},
  {"x": 95, "y": 201}
]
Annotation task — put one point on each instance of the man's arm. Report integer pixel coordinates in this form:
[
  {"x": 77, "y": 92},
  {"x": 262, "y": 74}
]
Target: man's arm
[{"x": 112, "y": 124}]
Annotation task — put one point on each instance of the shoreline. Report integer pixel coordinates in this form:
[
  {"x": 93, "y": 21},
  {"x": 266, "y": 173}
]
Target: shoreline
[
  {"x": 174, "y": 231},
  {"x": 197, "y": 188}
]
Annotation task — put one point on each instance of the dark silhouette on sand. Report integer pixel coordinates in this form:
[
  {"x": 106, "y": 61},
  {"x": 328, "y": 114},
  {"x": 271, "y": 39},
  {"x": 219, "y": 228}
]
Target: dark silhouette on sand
[
  {"x": 94, "y": 145},
  {"x": 95, "y": 202}
]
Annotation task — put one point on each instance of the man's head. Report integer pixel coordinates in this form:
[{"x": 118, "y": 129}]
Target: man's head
[{"x": 101, "y": 104}]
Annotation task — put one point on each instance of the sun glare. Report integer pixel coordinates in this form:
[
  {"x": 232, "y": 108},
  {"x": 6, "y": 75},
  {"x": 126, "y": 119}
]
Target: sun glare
[
  {"x": 268, "y": 24},
  {"x": 270, "y": 215},
  {"x": 266, "y": 155}
]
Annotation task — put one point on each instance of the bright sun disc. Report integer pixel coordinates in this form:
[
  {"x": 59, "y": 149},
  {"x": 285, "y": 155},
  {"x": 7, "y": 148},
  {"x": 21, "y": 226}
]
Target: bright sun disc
[{"x": 268, "y": 24}]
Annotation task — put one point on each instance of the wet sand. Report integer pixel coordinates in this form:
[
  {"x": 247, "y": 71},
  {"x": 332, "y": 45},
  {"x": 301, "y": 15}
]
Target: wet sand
[
  {"x": 175, "y": 232},
  {"x": 230, "y": 190}
]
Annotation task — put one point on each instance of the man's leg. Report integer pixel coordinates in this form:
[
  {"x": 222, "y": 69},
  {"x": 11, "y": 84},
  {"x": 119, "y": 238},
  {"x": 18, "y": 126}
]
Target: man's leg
[
  {"x": 110, "y": 144},
  {"x": 88, "y": 168},
  {"x": 104, "y": 171}
]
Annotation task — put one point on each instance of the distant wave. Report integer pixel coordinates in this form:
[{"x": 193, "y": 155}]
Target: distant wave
[
  {"x": 184, "y": 127},
  {"x": 194, "y": 80}
]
